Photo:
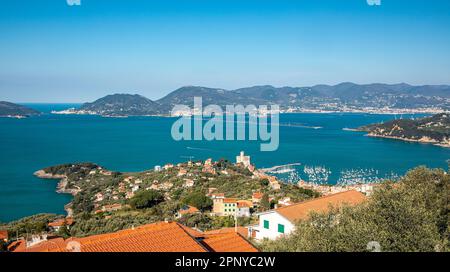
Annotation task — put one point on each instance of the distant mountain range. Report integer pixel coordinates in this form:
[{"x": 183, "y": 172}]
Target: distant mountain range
[
  {"x": 434, "y": 129},
  {"x": 344, "y": 97},
  {"x": 8, "y": 109}
]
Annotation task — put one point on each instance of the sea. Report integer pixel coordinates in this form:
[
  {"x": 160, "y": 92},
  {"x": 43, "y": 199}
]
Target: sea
[{"x": 314, "y": 147}]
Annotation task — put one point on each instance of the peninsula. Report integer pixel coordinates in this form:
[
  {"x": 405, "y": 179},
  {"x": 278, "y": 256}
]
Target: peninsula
[
  {"x": 434, "y": 130},
  {"x": 8, "y": 109}
]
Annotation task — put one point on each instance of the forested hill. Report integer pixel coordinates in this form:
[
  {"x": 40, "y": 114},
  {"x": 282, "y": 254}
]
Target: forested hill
[
  {"x": 15, "y": 110},
  {"x": 434, "y": 129},
  {"x": 341, "y": 97}
]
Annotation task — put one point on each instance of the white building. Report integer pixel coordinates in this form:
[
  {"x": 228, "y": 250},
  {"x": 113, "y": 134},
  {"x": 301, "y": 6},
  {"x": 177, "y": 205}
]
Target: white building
[
  {"x": 243, "y": 208},
  {"x": 242, "y": 159},
  {"x": 281, "y": 221}
]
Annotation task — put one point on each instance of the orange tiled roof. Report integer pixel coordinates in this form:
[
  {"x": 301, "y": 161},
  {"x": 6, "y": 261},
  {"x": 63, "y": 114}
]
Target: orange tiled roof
[
  {"x": 61, "y": 222},
  {"x": 157, "y": 237},
  {"x": 241, "y": 230},
  {"x": 3, "y": 234},
  {"x": 188, "y": 210},
  {"x": 228, "y": 242},
  {"x": 302, "y": 210},
  {"x": 244, "y": 203},
  {"x": 230, "y": 200},
  {"x": 257, "y": 195}
]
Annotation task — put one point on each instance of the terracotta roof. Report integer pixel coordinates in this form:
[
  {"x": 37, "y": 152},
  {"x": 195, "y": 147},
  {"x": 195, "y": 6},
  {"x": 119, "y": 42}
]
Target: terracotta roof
[
  {"x": 241, "y": 230},
  {"x": 157, "y": 237},
  {"x": 3, "y": 234},
  {"x": 61, "y": 222},
  {"x": 230, "y": 200},
  {"x": 218, "y": 195},
  {"x": 244, "y": 203},
  {"x": 302, "y": 210},
  {"x": 228, "y": 242},
  {"x": 257, "y": 195},
  {"x": 188, "y": 210}
]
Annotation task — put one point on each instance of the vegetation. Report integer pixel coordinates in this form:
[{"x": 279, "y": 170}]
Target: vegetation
[
  {"x": 146, "y": 199},
  {"x": 158, "y": 195},
  {"x": 11, "y": 109},
  {"x": 30, "y": 225},
  {"x": 320, "y": 97},
  {"x": 435, "y": 129},
  {"x": 199, "y": 200},
  {"x": 408, "y": 216}
]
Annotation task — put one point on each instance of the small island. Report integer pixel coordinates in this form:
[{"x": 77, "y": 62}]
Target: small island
[
  {"x": 11, "y": 110},
  {"x": 433, "y": 130}
]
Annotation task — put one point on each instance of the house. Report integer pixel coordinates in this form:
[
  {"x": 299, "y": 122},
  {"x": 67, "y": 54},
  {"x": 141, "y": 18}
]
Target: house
[
  {"x": 256, "y": 198},
  {"x": 224, "y": 206},
  {"x": 186, "y": 209},
  {"x": 129, "y": 195},
  {"x": 281, "y": 221},
  {"x": 285, "y": 202},
  {"x": 188, "y": 183},
  {"x": 99, "y": 197},
  {"x": 109, "y": 208},
  {"x": 211, "y": 190},
  {"x": 135, "y": 188},
  {"x": 168, "y": 166},
  {"x": 242, "y": 159},
  {"x": 4, "y": 235},
  {"x": 208, "y": 167},
  {"x": 158, "y": 168},
  {"x": 244, "y": 207},
  {"x": 57, "y": 224},
  {"x": 157, "y": 237},
  {"x": 182, "y": 172}
]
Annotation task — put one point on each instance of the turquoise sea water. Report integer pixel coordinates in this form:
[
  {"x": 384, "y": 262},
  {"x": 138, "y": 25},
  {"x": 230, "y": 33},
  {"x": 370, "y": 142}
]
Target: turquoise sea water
[{"x": 329, "y": 154}]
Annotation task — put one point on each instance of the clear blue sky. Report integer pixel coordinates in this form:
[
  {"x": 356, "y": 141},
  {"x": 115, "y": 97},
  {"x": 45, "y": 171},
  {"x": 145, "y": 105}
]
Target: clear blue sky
[{"x": 52, "y": 52}]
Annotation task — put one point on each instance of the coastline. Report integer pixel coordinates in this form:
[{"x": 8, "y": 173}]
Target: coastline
[
  {"x": 61, "y": 187},
  {"x": 286, "y": 111},
  {"x": 422, "y": 140}
]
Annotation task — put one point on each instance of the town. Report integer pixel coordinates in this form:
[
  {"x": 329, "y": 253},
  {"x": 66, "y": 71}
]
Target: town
[{"x": 222, "y": 207}]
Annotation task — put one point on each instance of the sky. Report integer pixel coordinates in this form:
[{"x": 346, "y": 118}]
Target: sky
[{"x": 53, "y": 52}]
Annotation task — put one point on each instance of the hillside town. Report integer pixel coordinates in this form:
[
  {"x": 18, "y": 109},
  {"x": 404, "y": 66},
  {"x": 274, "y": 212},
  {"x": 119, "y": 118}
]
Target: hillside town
[{"x": 272, "y": 209}]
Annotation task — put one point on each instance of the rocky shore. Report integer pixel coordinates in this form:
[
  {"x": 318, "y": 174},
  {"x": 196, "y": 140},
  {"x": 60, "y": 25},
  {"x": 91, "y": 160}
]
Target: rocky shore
[
  {"x": 61, "y": 188},
  {"x": 62, "y": 184}
]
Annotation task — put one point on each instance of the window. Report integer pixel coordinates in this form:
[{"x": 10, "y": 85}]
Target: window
[
  {"x": 280, "y": 228},
  {"x": 266, "y": 224}
]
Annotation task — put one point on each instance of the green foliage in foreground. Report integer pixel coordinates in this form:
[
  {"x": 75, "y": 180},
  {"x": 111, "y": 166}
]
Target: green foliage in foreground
[
  {"x": 409, "y": 216},
  {"x": 30, "y": 225}
]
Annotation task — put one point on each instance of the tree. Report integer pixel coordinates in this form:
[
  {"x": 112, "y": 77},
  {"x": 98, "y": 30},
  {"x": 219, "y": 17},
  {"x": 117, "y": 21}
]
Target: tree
[
  {"x": 146, "y": 199},
  {"x": 64, "y": 231},
  {"x": 199, "y": 200},
  {"x": 265, "y": 203}
]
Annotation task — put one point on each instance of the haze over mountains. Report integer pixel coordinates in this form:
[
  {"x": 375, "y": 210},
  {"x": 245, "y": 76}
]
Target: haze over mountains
[{"x": 341, "y": 97}]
